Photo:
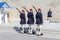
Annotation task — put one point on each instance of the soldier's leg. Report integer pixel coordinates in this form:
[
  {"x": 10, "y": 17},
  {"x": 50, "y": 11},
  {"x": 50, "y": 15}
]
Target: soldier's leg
[
  {"x": 30, "y": 30},
  {"x": 49, "y": 20},
  {"x": 22, "y": 27},
  {"x": 40, "y": 29},
  {"x": 37, "y": 29}
]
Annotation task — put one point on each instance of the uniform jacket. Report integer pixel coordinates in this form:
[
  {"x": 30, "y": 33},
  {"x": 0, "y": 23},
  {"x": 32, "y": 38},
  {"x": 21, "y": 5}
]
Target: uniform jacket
[
  {"x": 23, "y": 18},
  {"x": 30, "y": 18},
  {"x": 39, "y": 18},
  {"x": 49, "y": 13}
]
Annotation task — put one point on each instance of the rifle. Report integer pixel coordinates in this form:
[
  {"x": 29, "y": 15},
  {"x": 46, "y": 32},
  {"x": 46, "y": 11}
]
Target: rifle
[
  {"x": 25, "y": 9},
  {"x": 18, "y": 10},
  {"x": 34, "y": 8}
]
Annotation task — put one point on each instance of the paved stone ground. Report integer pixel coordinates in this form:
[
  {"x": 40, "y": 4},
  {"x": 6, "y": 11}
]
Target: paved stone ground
[
  {"x": 18, "y": 36},
  {"x": 51, "y": 32}
]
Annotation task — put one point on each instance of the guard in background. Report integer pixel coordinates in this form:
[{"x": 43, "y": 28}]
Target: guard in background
[
  {"x": 39, "y": 21},
  {"x": 1, "y": 15},
  {"x": 49, "y": 15},
  {"x": 23, "y": 19},
  {"x": 6, "y": 16},
  {"x": 1, "y": 18},
  {"x": 30, "y": 17}
]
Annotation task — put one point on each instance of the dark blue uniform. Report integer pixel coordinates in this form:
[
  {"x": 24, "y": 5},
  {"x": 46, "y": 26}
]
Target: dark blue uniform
[
  {"x": 39, "y": 18},
  {"x": 23, "y": 18},
  {"x": 30, "y": 18},
  {"x": 49, "y": 13}
]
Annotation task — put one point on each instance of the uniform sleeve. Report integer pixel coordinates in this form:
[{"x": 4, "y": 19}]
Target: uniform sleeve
[
  {"x": 36, "y": 16},
  {"x": 51, "y": 12},
  {"x": 21, "y": 16},
  {"x": 27, "y": 15}
]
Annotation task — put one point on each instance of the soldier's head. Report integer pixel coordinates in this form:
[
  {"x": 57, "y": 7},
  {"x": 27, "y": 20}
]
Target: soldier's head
[
  {"x": 39, "y": 10},
  {"x": 30, "y": 10},
  {"x": 50, "y": 9},
  {"x": 23, "y": 11}
]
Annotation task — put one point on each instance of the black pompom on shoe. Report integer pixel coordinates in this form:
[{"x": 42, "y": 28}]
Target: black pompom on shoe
[
  {"x": 40, "y": 34},
  {"x": 33, "y": 32}
]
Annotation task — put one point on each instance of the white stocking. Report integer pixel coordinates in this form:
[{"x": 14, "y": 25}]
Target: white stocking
[
  {"x": 38, "y": 29},
  {"x": 30, "y": 30},
  {"x": 22, "y": 26}
]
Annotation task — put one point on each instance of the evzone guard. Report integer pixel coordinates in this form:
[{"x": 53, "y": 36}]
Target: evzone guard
[
  {"x": 39, "y": 20},
  {"x": 23, "y": 19},
  {"x": 49, "y": 15},
  {"x": 30, "y": 17}
]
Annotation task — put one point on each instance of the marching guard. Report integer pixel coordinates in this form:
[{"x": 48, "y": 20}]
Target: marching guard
[
  {"x": 23, "y": 19},
  {"x": 39, "y": 21},
  {"x": 49, "y": 15},
  {"x": 30, "y": 17}
]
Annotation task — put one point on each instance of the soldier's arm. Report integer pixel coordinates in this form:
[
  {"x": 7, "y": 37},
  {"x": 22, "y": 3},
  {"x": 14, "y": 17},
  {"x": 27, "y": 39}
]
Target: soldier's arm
[
  {"x": 25, "y": 9},
  {"x": 34, "y": 8},
  {"x": 28, "y": 15},
  {"x": 33, "y": 17},
  {"x": 18, "y": 10},
  {"x": 42, "y": 19},
  {"x": 36, "y": 16}
]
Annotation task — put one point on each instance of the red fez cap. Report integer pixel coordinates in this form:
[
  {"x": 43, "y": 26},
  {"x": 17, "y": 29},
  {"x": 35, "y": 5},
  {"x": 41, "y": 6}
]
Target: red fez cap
[
  {"x": 23, "y": 11},
  {"x": 39, "y": 9},
  {"x": 30, "y": 9}
]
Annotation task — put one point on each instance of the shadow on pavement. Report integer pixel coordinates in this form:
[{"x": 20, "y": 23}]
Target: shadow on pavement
[
  {"x": 19, "y": 29},
  {"x": 26, "y": 30}
]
